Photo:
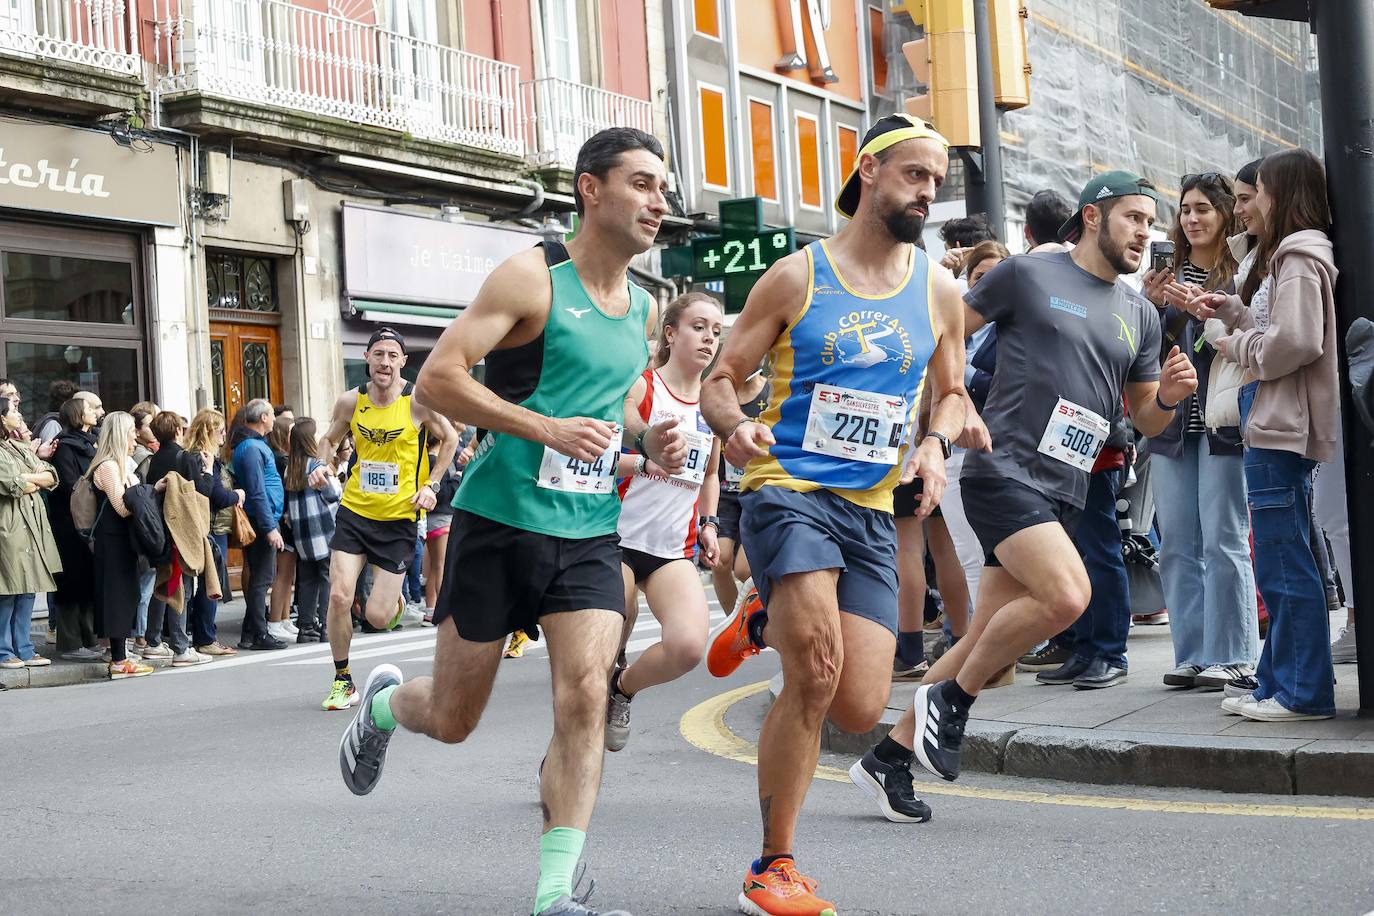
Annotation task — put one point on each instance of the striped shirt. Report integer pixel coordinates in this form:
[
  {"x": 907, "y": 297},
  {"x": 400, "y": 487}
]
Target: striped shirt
[{"x": 1191, "y": 274}]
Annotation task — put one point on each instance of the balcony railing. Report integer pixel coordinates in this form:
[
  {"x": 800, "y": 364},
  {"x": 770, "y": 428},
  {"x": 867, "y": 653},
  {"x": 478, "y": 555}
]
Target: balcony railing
[
  {"x": 560, "y": 115},
  {"x": 275, "y": 53},
  {"x": 95, "y": 33}
]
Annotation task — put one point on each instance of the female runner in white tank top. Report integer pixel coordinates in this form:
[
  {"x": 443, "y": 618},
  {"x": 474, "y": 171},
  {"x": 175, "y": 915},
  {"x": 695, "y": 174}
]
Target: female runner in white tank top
[{"x": 659, "y": 518}]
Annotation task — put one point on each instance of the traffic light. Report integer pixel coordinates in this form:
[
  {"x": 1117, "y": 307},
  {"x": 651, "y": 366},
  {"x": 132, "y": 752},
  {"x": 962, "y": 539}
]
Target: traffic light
[
  {"x": 1010, "y": 63},
  {"x": 945, "y": 63}
]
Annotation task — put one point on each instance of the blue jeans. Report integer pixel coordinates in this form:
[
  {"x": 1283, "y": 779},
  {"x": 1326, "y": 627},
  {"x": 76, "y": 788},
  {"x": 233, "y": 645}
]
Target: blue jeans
[
  {"x": 146, "y": 581},
  {"x": 16, "y": 616},
  {"x": 1102, "y": 629},
  {"x": 414, "y": 585},
  {"x": 1209, "y": 582},
  {"x": 1295, "y": 667},
  {"x": 201, "y": 614}
]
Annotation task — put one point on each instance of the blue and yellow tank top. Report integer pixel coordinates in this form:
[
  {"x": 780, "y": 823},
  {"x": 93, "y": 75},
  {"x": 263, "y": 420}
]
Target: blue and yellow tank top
[
  {"x": 391, "y": 461},
  {"x": 847, "y": 378}
]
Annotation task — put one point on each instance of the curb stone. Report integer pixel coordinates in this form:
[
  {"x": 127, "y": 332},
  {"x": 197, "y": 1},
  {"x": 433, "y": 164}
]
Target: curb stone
[{"x": 1275, "y": 766}]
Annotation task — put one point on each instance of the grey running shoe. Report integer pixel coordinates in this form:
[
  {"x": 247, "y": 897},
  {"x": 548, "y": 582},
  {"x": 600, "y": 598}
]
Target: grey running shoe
[
  {"x": 362, "y": 750},
  {"x": 617, "y": 721},
  {"x": 1343, "y": 649},
  {"x": 576, "y": 904}
]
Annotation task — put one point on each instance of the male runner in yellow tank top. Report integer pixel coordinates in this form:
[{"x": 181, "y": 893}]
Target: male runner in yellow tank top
[{"x": 390, "y": 484}]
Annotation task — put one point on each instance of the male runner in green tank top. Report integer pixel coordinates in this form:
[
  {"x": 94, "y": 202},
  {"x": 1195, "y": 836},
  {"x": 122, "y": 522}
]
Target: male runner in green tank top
[{"x": 564, "y": 334}]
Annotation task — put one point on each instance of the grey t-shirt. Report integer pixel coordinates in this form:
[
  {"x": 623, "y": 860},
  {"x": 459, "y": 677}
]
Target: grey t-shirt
[{"x": 1061, "y": 332}]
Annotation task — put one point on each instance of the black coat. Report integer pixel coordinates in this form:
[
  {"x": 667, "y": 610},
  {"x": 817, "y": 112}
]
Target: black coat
[
  {"x": 76, "y": 582},
  {"x": 147, "y": 530}
]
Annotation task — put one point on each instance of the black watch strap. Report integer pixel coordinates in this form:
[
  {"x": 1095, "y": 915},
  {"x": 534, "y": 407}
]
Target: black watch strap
[{"x": 946, "y": 446}]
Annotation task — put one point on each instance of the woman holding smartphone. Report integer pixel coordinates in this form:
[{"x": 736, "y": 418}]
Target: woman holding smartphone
[{"x": 1283, "y": 327}]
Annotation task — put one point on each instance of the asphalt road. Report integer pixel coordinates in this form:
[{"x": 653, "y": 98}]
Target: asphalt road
[{"x": 216, "y": 790}]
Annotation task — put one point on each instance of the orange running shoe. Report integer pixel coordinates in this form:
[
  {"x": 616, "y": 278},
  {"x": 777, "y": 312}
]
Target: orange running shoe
[
  {"x": 781, "y": 890},
  {"x": 730, "y": 643}
]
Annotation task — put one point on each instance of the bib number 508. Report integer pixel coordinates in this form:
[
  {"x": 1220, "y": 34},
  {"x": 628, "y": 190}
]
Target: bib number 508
[{"x": 1080, "y": 441}]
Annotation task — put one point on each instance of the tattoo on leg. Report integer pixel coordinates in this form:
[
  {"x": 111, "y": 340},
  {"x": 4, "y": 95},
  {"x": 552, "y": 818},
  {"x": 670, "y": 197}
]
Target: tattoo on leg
[
  {"x": 545, "y": 809},
  {"x": 765, "y": 807}
]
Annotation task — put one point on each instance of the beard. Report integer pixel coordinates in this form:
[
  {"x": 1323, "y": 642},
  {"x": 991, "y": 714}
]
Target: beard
[
  {"x": 1114, "y": 253},
  {"x": 903, "y": 226}
]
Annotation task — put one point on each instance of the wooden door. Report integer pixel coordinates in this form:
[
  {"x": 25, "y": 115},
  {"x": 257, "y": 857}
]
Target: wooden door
[{"x": 245, "y": 363}]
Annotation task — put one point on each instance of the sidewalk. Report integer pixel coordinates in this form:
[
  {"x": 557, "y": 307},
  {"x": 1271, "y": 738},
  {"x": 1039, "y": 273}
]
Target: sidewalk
[{"x": 1143, "y": 733}]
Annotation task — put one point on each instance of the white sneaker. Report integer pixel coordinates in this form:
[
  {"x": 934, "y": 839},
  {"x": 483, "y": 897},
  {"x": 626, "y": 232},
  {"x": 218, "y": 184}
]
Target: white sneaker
[
  {"x": 290, "y": 626},
  {"x": 161, "y": 650},
  {"x": 414, "y": 613},
  {"x": 1271, "y": 710},
  {"x": 188, "y": 658},
  {"x": 1232, "y": 705},
  {"x": 277, "y": 631},
  {"x": 1218, "y": 676},
  {"x": 1343, "y": 649}
]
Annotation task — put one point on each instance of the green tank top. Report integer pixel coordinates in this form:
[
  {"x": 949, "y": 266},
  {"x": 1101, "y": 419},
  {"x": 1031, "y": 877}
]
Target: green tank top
[{"x": 581, "y": 366}]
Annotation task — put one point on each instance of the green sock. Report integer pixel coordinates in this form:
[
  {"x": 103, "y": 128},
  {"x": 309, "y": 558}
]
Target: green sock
[
  {"x": 381, "y": 709},
  {"x": 559, "y": 851}
]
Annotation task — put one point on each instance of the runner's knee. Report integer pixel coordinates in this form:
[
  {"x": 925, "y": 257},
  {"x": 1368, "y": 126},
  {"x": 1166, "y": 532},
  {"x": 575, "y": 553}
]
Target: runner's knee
[
  {"x": 815, "y": 668},
  {"x": 1065, "y": 597},
  {"x": 454, "y": 726},
  {"x": 857, "y": 715},
  {"x": 684, "y": 651},
  {"x": 579, "y": 699}
]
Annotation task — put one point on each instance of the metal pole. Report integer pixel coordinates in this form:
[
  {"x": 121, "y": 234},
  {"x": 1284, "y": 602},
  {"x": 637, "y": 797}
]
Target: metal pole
[
  {"x": 991, "y": 199},
  {"x": 1345, "y": 45}
]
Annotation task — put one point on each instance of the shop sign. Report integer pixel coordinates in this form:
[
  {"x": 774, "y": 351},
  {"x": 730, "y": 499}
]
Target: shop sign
[
  {"x": 403, "y": 257},
  {"x": 55, "y": 169}
]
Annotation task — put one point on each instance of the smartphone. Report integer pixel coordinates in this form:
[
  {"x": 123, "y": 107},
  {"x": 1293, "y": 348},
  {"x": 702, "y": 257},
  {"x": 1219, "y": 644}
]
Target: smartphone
[{"x": 1161, "y": 255}]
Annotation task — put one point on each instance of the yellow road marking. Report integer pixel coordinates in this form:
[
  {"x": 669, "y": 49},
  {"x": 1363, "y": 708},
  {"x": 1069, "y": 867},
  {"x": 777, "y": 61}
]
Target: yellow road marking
[{"x": 704, "y": 726}]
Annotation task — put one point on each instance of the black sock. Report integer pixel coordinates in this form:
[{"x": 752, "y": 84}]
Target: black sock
[
  {"x": 911, "y": 648},
  {"x": 341, "y": 672},
  {"x": 956, "y": 696},
  {"x": 766, "y": 861},
  {"x": 615, "y": 685},
  {"x": 756, "y": 625},
  {"x": 892, "y": 753}
]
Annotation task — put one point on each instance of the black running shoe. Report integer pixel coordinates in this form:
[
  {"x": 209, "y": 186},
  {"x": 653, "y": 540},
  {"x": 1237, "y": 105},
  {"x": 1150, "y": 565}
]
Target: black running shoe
[
  {"x": 939, "y": 732},
  {"x": 1051, "y": 656},
  {"x": 891, "y": 786},
  {"x": 362, "y": 750}
]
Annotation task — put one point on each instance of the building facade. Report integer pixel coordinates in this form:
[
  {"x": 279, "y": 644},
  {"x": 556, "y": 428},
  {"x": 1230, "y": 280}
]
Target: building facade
[{"x": 206, "y": 201}]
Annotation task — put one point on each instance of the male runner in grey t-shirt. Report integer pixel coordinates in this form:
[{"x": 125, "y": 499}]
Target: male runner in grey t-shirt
[{"x": 1071, "y": 341}]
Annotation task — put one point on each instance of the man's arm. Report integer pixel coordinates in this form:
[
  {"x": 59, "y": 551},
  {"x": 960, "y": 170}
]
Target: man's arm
[
  {"x": 517, "y": 295},
  {"x": 1177, "y": 380},
  {"x": 772, "y": 304},
  {"x": 443, "y": 431},
  {"x": 949, "y": 399},
  {"x": 340, "y": 420}
]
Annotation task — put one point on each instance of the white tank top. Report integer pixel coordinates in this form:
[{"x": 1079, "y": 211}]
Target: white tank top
[{"x": 658, "y": 515}]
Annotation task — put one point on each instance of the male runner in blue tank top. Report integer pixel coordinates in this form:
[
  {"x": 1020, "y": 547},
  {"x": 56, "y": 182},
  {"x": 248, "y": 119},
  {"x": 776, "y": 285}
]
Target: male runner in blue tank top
[{"x": 856, "y": 327}]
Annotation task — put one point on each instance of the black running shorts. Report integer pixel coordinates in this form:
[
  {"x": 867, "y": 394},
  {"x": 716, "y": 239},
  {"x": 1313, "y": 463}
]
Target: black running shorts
[
  {"x": 388, "y": 545},
  {"x": 499, "y": 579},
  {"x": 643, "y": 565},
  {"x": 998, "y": 507},
  {"x": 727, "y": 510},
  {"x": 906, "y": 500}
]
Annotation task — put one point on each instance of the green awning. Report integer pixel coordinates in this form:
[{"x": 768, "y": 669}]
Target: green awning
[{"x": 404, "y": 308}]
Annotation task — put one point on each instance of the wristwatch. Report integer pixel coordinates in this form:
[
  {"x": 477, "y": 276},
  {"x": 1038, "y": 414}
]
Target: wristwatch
[
  {"x": 946, "y": 447},
  {"x": 434, "y": 485},
  {"x": 712, "y": 520}
]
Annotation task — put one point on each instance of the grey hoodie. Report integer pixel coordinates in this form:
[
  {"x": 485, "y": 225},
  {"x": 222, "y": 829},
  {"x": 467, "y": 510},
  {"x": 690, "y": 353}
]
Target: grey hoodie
[{"x": 1296, "y": 408}]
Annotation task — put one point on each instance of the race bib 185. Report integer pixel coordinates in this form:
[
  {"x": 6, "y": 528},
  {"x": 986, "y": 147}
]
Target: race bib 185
[{"x": 379, "y": 477}]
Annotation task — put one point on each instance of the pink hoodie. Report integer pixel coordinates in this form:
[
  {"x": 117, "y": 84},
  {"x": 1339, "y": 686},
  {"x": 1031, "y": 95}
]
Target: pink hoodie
[{"x": 1297, "y": 406}]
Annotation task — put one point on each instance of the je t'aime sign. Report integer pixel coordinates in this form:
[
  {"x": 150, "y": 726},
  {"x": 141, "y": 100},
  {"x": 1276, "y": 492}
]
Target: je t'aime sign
[{"x": 402, "y": 257}]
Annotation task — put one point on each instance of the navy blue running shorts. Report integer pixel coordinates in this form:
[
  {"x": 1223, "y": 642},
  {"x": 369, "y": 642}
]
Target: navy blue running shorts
[{"x": 784, "y": 532}]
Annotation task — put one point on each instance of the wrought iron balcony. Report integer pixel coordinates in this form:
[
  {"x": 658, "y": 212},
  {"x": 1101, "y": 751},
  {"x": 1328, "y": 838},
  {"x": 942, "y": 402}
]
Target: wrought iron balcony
[
  {"x": 560, "y": 115},
  {"x": 102, "y": 34}
]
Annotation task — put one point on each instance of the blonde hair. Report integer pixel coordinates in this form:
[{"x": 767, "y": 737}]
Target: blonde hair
[
  {"x": 113, "y": 444},
  {"x": 200, "y": 437},
  {"x": 672, "y": 315}
]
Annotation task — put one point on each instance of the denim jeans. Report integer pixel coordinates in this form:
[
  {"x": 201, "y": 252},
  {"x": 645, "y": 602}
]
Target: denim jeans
[
  {"x": 146, "y": 581},
  {"x": 16, "y": 616},
  {"x": 1102, "y": 629},
  {"x": 1209, "y": 583},
  {"x": 202, "y": 608},
  {"x": 1295, "y": 667},
  {"x": 260, "y": 562},
  {"x": 414, "y": 584}
]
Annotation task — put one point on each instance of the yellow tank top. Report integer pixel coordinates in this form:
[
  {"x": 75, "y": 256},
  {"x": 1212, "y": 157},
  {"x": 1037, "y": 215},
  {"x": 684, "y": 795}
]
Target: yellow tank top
[{"x": 391, "y": 461}]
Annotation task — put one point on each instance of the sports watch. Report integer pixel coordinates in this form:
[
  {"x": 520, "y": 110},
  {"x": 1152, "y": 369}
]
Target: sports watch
[{"x": 946, "y": 447}]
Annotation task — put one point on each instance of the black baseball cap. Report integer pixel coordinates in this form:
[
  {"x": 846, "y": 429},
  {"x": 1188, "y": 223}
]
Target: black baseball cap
[
  {"x": 1119, "y": 183},
  {"x": 387, "y": 334},
  {"x": 888, "y": 131}
]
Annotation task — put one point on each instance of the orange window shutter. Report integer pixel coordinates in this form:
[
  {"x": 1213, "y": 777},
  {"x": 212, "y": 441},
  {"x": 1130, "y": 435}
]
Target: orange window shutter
[
  {"x": 707, "y": 17},
  {"x": 761, "y": 141},
  {"x": 847, "y": 142},
  {"x": 875, "y": 29},
  {"x": 809, "y": 161},
  {"x": 715, "y": 165}
]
